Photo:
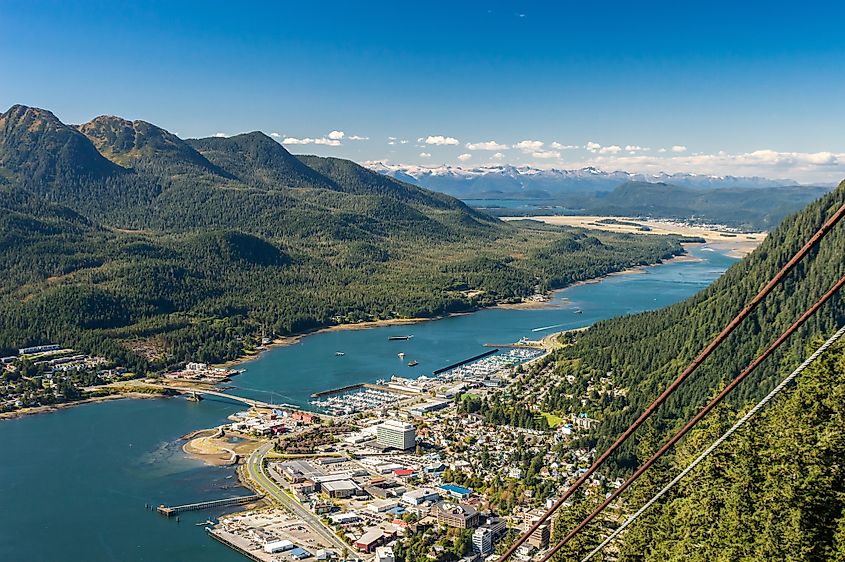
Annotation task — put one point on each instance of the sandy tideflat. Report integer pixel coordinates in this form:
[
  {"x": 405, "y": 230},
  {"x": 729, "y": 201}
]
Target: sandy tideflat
[{"x": 738, "y": 243}]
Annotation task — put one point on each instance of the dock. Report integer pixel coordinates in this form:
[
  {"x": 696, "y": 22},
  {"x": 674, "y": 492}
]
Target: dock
[
  {"x": 219, "y": 536},
  {"x": 465, "y": 361},
  {"x": 168, "y": 511},
  {"x": 341, "y": 390},
  {"x": 532, "y": 345}
]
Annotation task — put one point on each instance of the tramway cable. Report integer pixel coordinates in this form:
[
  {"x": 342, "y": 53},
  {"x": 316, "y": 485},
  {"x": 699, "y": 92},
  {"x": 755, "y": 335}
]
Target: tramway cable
[{"x": 704, "y": 354}]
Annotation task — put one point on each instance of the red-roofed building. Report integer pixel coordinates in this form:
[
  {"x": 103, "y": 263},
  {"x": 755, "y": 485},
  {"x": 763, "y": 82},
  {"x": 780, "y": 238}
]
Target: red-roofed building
[{"x": 404, "y": 473}]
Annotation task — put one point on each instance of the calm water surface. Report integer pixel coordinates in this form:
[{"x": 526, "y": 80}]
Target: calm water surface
[{"x": 73, "y": 483}]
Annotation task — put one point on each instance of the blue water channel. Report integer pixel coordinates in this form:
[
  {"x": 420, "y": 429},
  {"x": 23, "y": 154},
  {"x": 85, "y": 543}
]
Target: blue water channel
[{"x": 74, "y": 483}]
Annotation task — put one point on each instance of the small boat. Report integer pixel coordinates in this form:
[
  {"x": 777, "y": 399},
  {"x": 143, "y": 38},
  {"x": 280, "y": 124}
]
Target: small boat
[
  {"x": 578, "y": 311},
  {"x": 339, "y": 354},
  {"x": 413, "y": 364},
  {"x": 398, "y": 338},
  {"x": 401, "y": 355}
]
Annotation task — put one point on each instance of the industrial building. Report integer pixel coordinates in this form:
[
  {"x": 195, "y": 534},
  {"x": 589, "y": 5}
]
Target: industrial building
[{"x": 278, "y": 546}]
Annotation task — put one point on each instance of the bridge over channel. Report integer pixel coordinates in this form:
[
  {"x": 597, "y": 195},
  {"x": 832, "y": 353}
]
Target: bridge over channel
[{"x": 221, "y": 394}]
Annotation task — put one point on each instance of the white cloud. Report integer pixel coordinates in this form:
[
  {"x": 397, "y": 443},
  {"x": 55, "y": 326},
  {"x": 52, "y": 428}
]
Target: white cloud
[
  {"x": 275, "y": 135},
  {"x": 612, "y": 149},
  {"x": 439, "y": 140},
  {"x": 425, "y": 155},
  {"x": 632, "y": 148},
  {"x": 661, "y": 150},
  {"x": 679, "y": 148},
  {"x": 294, "y": 140},
  {"x": 546, "y": 154},
  {"x": 592, "y": 146},
  {"x": 559, "y": 146},
  {"x": 332, "y": 139},
  {"x": 358, "y": 138},
  {"x": 806, "y": 167},
  {"x": 221, "y": 135},
  {"x": 486, "y": 145},
  {"x": 497, "y": 156},
  {"x": 529, "y": 145},
  {"x": 464, "y": 157}
]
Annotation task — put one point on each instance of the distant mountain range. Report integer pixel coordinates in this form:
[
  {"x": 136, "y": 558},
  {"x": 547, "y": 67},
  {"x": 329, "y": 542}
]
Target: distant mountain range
[
  {"x": 527, "y": 182},
  {"x": 753, "y": 203}
]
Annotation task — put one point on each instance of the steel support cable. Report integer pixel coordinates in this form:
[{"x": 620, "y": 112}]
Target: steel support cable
[
  {"x": 726, "y": 331},
  {"x": 716, "y": 444},
  {"x": 703, "y": 412}
]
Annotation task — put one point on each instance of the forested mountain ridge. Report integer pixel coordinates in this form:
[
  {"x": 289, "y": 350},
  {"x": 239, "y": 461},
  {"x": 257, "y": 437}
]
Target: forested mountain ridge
[
  {"x": 774, "y": 491},
  {"x": 36, "y": 149},
  {"x": 166, "y": 250},
  {"x": 130, "y": 143},
  {"x": 747, "y": 208},
  {"x": 646, "y": 351}
]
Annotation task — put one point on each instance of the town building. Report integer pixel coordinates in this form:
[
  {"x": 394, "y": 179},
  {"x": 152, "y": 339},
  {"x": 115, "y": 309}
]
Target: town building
[
  {"x": 460, "y": 516},
  {"x": 396, "y": 434},
  {"x": 371, "y": 538},
  {"x": 540, "y": 537},
  {"x": 384, "y": 554},
  {"x": 420, "y": 496},
  {"x": 482, "y": 541},
  {"x": 457, "y": 492},
  {"x": 339, "y": 488}
]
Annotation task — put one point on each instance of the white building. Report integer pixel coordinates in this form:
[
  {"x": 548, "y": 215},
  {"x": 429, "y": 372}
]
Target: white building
[
  {"x": 384, "y": 554},
  {"x": 396, "y": 434},
  {"x": 482, "y": 541},
  {"x": 277, "y": 546},
  {"x": 421, "y": 495}
]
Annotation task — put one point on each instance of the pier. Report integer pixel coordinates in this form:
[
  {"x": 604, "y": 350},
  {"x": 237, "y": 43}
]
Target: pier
[
  {"x": 334, "y": 391},
  {"x": 465, "y": 361},
  {"x": 167, "y": 511}
]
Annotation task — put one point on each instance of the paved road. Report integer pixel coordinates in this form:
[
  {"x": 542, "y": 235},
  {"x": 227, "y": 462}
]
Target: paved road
[{"x": 255, "y": 470}]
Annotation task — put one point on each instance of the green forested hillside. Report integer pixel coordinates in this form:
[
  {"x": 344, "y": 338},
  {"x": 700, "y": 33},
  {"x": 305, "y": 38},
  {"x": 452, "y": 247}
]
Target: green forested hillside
[
  {"x": 120, "y": 238},
  {"x": 775, "y": 491},
  {"x": 646, "y": 351},
  {"x": 748, "y": 208}
]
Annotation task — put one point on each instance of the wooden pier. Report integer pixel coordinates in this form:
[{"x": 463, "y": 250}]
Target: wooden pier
[{"x": 168, "y": 511}]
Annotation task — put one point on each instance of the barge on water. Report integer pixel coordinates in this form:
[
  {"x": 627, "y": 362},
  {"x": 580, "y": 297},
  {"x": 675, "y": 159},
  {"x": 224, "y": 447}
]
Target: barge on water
[{"x": 398, "y": 338}]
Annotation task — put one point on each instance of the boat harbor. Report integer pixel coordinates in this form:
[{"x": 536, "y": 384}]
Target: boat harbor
[{"x": 483, "y": 369}]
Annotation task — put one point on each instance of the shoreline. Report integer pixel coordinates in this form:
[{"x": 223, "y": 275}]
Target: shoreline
[
  {"x": 284, "y": 341},
  {"x": 738, "y": 244},
  {"x": 49, "y": 408}
]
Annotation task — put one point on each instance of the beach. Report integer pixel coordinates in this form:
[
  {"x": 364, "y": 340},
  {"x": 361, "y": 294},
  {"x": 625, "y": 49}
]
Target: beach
[{"x": 737, "y": 244}]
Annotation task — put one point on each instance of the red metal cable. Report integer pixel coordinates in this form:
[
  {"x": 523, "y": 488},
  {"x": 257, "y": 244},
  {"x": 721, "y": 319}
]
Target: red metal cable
[
  {"x": 820, "y": 233},
  {"x": 700, "y": 415}
]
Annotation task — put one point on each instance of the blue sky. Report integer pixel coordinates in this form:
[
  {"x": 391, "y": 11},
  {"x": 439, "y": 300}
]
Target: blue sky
[{"x": 754, "y": 89}]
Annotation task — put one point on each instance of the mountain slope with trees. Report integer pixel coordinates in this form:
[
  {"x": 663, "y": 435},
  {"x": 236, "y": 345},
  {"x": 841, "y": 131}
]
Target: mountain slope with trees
[
  {"x": 122, "y": 239},
  {"x": 775, "y": 491}
]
